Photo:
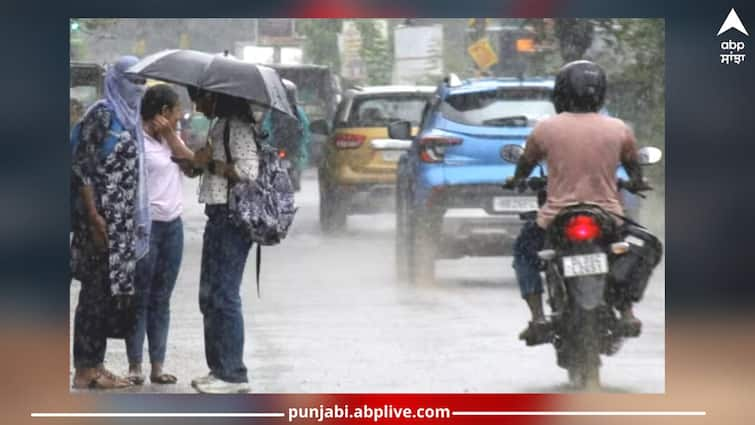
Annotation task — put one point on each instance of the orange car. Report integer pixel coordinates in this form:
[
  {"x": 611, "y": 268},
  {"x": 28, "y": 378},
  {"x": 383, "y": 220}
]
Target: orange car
[{"x": 358, "y": 172}]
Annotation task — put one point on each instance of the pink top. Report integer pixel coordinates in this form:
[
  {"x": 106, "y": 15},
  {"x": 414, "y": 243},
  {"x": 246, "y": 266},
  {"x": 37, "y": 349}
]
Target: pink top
[
  {"x": 582, "y": 152},
  {"x": 164, "y": 181}
]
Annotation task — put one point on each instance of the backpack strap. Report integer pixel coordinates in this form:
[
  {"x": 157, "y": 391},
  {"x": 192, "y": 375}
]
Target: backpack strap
[
  {"x": 229, "y": 159},
  {"x": 259, "y": 264}
]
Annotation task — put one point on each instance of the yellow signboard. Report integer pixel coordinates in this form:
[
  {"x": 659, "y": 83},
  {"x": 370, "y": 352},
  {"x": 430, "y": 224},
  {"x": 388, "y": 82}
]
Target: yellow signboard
[{"x": 482, "y": 53}]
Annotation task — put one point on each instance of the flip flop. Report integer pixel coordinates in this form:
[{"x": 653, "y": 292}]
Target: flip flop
[
  {"x": 135, "y": 379},
  {"x": 165, "y": 378}
]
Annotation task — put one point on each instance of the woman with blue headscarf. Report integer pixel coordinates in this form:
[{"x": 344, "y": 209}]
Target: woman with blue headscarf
[{"x": 111, "y": 224}]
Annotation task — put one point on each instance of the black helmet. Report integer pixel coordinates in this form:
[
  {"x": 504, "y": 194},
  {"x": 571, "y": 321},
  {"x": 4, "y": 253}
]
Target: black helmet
[
  {"x": 580, "y": 87},
  {"x": 290, "y": 91}
]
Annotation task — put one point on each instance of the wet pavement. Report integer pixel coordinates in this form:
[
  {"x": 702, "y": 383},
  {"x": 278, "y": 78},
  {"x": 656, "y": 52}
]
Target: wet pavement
[{"x": 333, "y": 319}]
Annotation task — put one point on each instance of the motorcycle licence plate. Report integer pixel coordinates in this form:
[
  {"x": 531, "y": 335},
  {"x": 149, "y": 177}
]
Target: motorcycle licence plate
[
  {"x": 514, "y": 203},
  {"x": 285, "y": 163},
  {"x": 585, "y": 265}
]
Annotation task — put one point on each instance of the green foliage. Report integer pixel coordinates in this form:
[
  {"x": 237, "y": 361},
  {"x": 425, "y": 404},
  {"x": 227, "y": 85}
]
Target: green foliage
[
  {"x": 80, "y": 28},
  {"x": 377, "y": 53},
  {"x": 321, "y": 41},
  {"x": 632, "y": 51}
]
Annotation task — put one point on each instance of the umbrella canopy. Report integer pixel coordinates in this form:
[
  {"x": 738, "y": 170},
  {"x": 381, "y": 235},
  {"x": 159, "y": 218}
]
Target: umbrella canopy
[{"x": 258, "y": 84}]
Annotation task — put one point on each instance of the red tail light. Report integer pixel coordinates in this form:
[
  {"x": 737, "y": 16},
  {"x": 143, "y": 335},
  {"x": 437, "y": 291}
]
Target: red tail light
[
  {"x": 582, "y": 228},
  {"x": 282, "y": 154},
  {"x": 433, "y": 148},
  {"x": 349, "y": 141}
]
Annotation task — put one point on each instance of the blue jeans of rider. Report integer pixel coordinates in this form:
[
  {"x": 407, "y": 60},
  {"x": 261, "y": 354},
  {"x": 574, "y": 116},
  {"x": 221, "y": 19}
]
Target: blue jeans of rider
[
  {"x": 156, "y": 276},
  {"x": 224, "y": 253},
  {"x": 531, "y": 239}
]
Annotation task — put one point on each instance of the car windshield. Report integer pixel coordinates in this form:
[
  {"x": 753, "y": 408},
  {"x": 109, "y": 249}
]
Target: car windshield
[
  {"x": 380, "y": 111},
  {"x": 498, "y": 108}
]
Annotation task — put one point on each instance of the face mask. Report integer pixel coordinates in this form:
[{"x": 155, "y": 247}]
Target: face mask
[{"x": 132, "y": 93}]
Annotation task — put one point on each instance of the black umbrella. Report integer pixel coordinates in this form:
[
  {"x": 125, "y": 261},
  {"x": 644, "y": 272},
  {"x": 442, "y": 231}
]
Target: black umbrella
[{"x": 258, "y": 84}]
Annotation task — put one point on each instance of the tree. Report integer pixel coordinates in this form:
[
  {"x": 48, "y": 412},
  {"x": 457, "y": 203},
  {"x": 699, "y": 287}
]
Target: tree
[
  {"x": 574, "y": 37},
  {"x": 82, "y": 29},
  {"x": 321, "y": 41},
  {"x": 377, "y": 53}
]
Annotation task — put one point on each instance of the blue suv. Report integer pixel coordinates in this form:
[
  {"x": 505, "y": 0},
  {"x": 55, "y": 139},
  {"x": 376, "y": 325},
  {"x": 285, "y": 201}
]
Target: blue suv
[{"x": 449, "y": 200}]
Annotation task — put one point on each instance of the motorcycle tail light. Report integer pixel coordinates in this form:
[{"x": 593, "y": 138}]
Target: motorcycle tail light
[
  {"x": 581, "y": 228},
  {"x": 282, "y": 154},
  {"x": 349, "y": 141},
  {"x": 433, "y": 148}
]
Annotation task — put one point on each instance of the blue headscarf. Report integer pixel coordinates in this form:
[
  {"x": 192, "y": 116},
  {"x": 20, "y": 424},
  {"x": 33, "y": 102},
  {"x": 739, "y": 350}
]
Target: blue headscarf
[
  {"x": 124, "y": 98},
  {"x": 122, "y": 95}
]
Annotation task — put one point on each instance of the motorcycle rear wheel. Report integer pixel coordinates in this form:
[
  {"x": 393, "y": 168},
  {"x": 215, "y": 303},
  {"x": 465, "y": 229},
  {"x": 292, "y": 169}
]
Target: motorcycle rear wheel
[{"x": 584, "y": 360}]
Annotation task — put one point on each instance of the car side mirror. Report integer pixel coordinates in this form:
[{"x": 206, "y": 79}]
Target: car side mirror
[
  {"x": 512, "y": 153},
  {"x": 649, "y": 155},
  {"x": 319, "y": 127},
  {"x": 400, "y": 130}
]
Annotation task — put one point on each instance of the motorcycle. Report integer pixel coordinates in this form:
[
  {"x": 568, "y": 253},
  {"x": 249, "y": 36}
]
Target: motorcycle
[
  {"x": 287, "y": 140},
  {"x": 593, "y": 267}
]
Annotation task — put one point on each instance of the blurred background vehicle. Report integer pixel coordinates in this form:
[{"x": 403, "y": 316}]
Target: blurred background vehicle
[
  {"x": 318, "y": 93},
  {"x": 86, "y": 86},
  {"x": 358, "y": 170},
  {"x": 449, "y": 202}
]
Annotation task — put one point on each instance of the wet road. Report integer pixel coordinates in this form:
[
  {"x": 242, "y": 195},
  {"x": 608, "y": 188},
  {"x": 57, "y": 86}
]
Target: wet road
[{"x": 333, "y": 318}]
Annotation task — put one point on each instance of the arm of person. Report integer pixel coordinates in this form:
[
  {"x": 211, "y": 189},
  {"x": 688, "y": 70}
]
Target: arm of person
[
  {"x": 630, "y": 162},
  {"x": 168, "y": 133},
  {"x": 532, "y": 155},
  {"x": 84, "y": 164},
  {"x": 96, "y": 221}
]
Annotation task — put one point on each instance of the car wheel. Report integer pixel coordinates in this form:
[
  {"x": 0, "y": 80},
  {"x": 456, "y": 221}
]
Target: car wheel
[
  {"x": 423, "y": 246},
  {"x": 332, "y": 214}
]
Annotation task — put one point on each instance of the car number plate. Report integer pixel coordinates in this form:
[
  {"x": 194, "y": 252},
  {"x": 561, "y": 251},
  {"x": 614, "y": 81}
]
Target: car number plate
[
  {"x": 585, "y": 265},
  {"x": 514, "y": 203},
  {"x": 391, "y": 156}
]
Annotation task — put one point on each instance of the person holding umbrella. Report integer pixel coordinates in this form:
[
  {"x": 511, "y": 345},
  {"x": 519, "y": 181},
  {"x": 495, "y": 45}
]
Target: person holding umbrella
[{"x": 225, "y": 249}]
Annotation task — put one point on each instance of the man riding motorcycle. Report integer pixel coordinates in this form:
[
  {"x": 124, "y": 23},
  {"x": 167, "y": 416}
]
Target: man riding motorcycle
[{"x": 582, "y": 150}]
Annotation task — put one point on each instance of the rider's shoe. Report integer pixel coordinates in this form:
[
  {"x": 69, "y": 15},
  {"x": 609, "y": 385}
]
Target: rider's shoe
[
  {"x": 629, "y": 324},
  {"x": 539, "y": 331}
]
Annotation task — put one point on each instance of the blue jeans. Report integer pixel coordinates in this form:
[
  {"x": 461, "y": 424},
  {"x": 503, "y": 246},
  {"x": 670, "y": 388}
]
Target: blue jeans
[
  {"x": 224, "y": 253},
  {"x": 531, "y": 239},
  {"x": 156, "y": 275}
]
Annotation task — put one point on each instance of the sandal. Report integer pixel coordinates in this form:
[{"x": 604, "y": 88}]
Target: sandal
[
  {"x": 103, "y": 380},
  {"x": 164, "y": 378},
  {"x": 136, "y": 379}
]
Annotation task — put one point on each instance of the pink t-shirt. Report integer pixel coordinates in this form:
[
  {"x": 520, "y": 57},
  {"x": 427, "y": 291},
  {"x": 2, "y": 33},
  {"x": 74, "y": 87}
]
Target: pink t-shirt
[
  {"x": 583, "y": 152},
  {"x": 164, "y": 181}
]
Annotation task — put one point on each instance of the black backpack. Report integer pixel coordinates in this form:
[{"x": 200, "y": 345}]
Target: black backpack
[{"x": 263, "y": 208}]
